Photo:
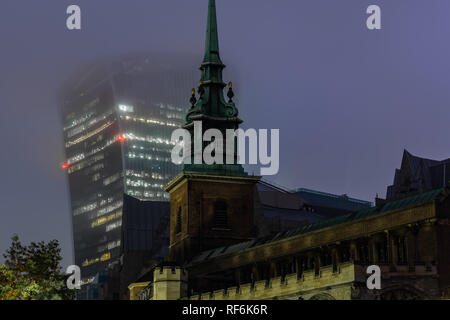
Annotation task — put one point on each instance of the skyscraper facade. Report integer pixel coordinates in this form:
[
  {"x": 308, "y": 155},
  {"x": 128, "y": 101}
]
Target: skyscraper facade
[{"x": 118, "y": 117}]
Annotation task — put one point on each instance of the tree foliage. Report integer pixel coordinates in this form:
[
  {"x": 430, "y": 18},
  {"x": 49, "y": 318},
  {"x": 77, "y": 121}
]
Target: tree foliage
[{"x": 33, "y": 272}]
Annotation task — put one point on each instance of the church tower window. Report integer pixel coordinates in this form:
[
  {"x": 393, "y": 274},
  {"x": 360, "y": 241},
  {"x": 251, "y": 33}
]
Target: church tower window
[
  {"x": 220, "y": 214},
  {"x": 178, "y": 225}
]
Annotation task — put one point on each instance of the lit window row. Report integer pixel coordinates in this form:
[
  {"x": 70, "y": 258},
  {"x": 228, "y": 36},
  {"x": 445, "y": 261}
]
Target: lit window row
[
  {"x": 76, "y": 158},
  {"x": 113, "y": 225},
  {"x": 87, "y": 281},
  {"x": 82, "y": 119},
  {"x": 105, "y": 201},
  {"x": 148, "y": 156},
  {"x": 86, "y": 163},
  {"x": 93, "y": 205},
  {"x": 135, "y": 193},
  {"x": 166, "y": 150},
  {"x": 158, "y": 176},
  {"x": 132, "y": 136},
  {"x": 89, "y": 134},
  {"x": 110, "y": 208},
  {"x": 82, "y": 156},
  {"x": 148, "y": 194},
  {"x": 144, "y": 174},
  {"x": 142, "y": 183},
  {"x": 88, "y": 125},
  {"x": 137, "y": 174},
  {"x": 152, "y": 121},
  {"x": 112, "y": 179},
  {"x": 103, "y": 220},
  {"x": 111, "y": 245},
  {"x": 153, "y": 149},
  {"x": 103, "y": 257},
  {"x": 85, "y": 208}
]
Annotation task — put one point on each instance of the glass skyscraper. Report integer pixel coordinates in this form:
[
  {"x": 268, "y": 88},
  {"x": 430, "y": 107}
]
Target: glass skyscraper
[{"x": 118, "y": 117}]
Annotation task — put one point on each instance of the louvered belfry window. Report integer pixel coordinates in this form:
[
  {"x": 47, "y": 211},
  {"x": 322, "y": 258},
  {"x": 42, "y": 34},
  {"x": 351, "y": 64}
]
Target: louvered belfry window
[
  {"x": 178, "y": 225},
  {"x": 220, "y": 214}
]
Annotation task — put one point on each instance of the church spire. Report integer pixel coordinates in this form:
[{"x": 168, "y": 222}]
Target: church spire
[
  {"x": 212, "y": 37},
  {"x": 211, "y": 102},
  {"x": 210, "y": 108}
]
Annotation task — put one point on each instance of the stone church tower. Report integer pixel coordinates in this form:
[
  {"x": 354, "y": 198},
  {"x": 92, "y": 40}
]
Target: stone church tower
[{"x": 211, "y": 205}]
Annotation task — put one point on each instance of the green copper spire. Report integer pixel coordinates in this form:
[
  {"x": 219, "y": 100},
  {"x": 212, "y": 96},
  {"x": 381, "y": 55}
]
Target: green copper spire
[
  {"x": 211, "y": 102},
  {"x": 210, "y": 108},
  {"x": 212, "y": 37}
]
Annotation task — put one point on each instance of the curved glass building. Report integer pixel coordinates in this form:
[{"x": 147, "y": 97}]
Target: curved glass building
[{"x": 118, "y": 117}]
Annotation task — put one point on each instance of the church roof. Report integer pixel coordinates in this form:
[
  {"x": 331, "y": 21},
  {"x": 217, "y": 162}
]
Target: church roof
[{"x": 390, "y": 206}]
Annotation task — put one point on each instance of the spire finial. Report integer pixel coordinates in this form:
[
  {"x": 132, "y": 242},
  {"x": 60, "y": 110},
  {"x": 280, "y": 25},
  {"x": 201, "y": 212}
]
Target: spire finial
[
  {"x": 230, "y": 93},
  {"x": 193, "y": 99}
]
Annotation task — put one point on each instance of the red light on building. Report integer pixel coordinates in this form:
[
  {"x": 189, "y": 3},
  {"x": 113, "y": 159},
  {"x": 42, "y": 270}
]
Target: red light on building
[
  {"x": 120, "y": 138},
  {"x": 65, "y": 165}
]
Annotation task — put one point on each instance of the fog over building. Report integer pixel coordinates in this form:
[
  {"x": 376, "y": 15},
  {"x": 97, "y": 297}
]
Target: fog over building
[{"x": 118, "y": 116}]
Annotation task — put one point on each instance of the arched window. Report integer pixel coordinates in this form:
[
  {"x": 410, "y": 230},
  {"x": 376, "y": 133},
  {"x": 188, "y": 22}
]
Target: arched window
[
  {"x": 220, "y": 214},
  {"x": 178, "y": 225}
]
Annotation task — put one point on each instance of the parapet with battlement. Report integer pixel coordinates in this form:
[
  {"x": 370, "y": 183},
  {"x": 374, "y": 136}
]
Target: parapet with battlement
[{"x": 330, "y": 284}]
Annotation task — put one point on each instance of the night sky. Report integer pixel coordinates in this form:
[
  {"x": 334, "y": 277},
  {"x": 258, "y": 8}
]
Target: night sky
[{"x": 347, "y": 100}]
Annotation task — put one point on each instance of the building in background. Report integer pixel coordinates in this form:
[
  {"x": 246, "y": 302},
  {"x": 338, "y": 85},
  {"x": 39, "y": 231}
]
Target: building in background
[
  {"x": 279, "y": 209},
  {"x": 144, "y": 243},
  {"x": 118, "y": 117},
  {"x": 417, "y": 175}
]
